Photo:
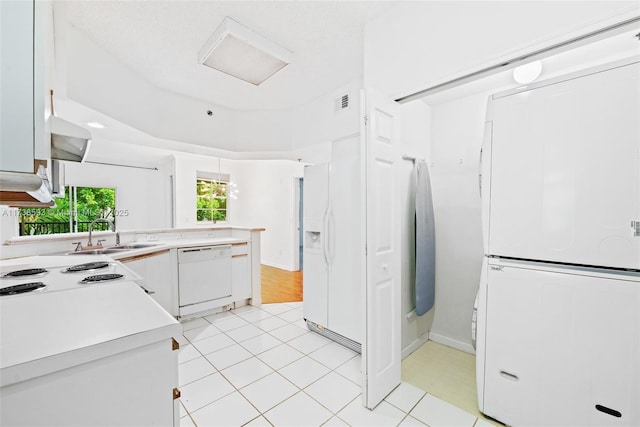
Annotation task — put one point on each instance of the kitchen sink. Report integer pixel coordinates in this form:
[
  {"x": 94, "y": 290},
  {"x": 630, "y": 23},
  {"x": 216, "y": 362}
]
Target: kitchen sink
[
  {"x": 99, "y": 251},
  {"x": 129, "y": 246},
  {"x": 113, "y": 249}
]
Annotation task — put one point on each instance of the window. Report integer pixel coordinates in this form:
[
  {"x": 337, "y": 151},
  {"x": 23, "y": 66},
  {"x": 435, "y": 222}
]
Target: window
[
  {"x": 73, "y": 213},
  {"x": 211, "y": 200}
]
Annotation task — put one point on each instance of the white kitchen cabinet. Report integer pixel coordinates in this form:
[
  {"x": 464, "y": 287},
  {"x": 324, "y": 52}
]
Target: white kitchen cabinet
[
  {"x": 159, "y": 272},
  {"x": 17, "y": 101},
  {"x": 240, "y": 271},
  {"x": 88, "y": 356},
  {"x": 558, "y": 346},
  {"x": 125, "y": 389},
  {"x": 23, "y": 62}
]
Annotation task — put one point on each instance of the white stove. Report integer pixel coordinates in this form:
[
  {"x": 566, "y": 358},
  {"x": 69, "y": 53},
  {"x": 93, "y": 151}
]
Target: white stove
[{"x": 24, "y": 276}]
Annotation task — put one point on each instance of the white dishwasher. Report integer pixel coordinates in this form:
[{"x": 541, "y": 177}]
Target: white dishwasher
[{"x": 204, "y": 278}]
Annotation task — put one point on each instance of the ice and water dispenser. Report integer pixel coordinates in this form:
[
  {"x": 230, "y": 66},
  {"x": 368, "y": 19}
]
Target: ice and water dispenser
[{"x": 312, "y": 236}]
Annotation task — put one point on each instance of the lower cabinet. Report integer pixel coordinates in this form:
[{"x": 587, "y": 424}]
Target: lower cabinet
[
  {"x": 159, "y": 271},
  {"x": 562, "y": 349},
  {"x": 241, "y": 271},
  {"x": 132, "y": 388},
  {"x": 160, "y": 276}
]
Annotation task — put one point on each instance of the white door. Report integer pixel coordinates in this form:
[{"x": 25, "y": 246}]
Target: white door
[
  {"x": 344, "y": 240},
  {"x": 381, "y": 350},
  {"x": 565, "y": 175},
  {"x": 316, "y": 268}
]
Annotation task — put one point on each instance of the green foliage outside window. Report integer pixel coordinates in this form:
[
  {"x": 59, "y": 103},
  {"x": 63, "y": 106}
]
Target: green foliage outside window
[
  {"x": 211, "y": 199},
  {"x": 90, "y": 204}
]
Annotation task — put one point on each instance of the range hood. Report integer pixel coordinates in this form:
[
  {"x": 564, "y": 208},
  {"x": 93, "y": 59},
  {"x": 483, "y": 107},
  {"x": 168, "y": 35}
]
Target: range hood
[
  {"x": 26, "y": 189},
  {"x": 68, "y": 141}
]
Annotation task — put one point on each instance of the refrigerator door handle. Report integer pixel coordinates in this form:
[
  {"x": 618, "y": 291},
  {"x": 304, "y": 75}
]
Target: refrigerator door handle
[
  {"x": 325, "y": 236},
  {"x": 330, "y": 235},
  {"x": 480, "y": 172}
]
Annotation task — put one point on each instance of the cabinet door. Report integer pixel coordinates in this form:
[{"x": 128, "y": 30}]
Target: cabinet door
[
  {"x": 16, "y": 80},
  {"x": 565, "y": 180},
  {"x": 240, "y": 278},
  {"x": 130, "y": 388},
  {"x": 161, "y": 278},
  {"x": 139, "y": 266}
]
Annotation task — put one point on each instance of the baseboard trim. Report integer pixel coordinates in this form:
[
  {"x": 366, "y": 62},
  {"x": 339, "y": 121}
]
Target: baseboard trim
[
  {"x": 416, "y": 344},
  {"x": 450, "y": 342},
  {"x": 281, "y": 267}
]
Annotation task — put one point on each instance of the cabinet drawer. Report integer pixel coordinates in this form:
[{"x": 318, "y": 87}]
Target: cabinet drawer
[{"x": 240, "y": 248}]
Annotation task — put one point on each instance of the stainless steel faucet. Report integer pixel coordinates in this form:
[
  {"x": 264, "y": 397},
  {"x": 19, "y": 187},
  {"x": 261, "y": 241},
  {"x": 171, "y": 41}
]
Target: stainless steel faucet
[{"x": 113, "y": 228}]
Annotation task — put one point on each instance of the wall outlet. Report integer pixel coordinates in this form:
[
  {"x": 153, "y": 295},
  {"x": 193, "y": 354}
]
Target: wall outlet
[{"x": 152, "y": 237}]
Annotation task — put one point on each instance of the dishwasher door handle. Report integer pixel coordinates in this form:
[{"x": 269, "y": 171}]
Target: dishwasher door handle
[{"x": 196, "y": 250}]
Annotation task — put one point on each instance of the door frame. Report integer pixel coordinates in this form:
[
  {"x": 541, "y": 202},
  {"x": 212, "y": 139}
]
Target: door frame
[{"x": 298, "y": 185}]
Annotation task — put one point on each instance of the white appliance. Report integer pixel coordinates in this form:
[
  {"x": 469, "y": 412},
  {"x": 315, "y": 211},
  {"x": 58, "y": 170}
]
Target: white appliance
[
  {"x": 204, "y": 278},
  {"x": 332, "y": 281},
  {"x": 24, "y": 276},
  {"x": 80, "y": 341},
  {"x": 558, "y": 322}
]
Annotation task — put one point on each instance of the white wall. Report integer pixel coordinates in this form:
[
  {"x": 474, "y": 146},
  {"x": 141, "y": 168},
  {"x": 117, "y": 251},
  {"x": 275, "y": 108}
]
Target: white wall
[
  {"x": 415, "y": 123},
  {"x": 186, "y": 168},
  {"x": 143, "y": 193},
  {"x": 456, "y": 137},
  {"x": 452, "y": 38},
  {"x": 449, "y": 39},
  {"x": 318, "y": 121},
  {"x": 267, "y": 198}
]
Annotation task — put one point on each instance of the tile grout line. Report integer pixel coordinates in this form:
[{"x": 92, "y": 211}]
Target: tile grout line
[
  {"x": 227, "y": 379},
  {"x": 236, "y": 342}
]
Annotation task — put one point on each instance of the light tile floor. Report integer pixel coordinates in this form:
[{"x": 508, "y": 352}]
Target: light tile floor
[{"x": 262, "y": 366}]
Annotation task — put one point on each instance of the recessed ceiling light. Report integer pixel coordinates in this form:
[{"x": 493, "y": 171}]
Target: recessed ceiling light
[
  {"x": 527, "y": 73},
  {"x": 242, "y": 53},
  {"x": 95, "y": 125}
]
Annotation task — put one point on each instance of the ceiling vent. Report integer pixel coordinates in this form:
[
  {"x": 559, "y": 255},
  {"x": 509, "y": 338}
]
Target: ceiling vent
[
  {"x": 242, "y": 53},
  {"x": 342, "y": 102}
]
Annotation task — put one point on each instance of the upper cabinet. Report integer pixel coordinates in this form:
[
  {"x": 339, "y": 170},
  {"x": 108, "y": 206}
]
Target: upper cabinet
[
  {"x": 17, "y": 83},
  {"x": 23, "y": 55}
]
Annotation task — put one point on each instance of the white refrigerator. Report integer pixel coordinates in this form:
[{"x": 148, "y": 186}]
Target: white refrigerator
[
  {"x": 333, "y": 245},
  {"x": 558, "y": 325}
]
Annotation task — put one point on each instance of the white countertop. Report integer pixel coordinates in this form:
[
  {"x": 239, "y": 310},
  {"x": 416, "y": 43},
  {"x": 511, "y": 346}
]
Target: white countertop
[
  {"x": 50, "y": 331},
  {"x": 45, "y": 332},
  {"x": 39, "y": 261},
  {"x": 60, "y": 259},
  {"x": 178, "y": 243}
]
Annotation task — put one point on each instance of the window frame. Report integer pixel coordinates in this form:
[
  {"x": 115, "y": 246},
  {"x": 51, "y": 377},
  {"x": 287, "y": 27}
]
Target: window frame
[
  {"x": 217, "y": 179},
  {"x": 72, "y": 213}
]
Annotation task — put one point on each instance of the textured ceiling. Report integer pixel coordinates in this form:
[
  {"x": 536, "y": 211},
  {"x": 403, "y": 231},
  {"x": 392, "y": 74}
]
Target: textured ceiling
[{"x": 160, "y": 40}]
